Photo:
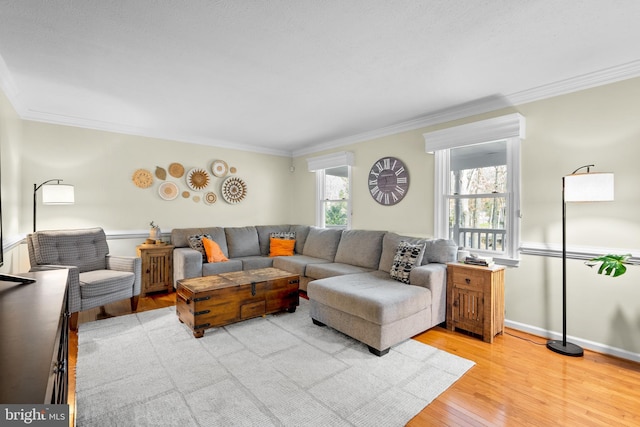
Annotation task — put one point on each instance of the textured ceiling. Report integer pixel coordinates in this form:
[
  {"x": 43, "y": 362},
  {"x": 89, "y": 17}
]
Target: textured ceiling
[{"x": 294, "y": 76}]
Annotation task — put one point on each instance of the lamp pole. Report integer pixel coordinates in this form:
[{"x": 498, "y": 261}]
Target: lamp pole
[{"x": 35, "y": 190}]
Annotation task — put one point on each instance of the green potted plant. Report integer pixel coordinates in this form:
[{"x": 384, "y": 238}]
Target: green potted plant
[{"x": 610, "y": 265}]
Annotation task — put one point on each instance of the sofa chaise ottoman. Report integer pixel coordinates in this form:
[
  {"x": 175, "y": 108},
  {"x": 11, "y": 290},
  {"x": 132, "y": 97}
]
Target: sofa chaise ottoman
[{"x": 378, "y": 310}]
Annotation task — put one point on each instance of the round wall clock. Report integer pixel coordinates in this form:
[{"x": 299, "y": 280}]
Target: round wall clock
[{"x": 388, "y": 181}]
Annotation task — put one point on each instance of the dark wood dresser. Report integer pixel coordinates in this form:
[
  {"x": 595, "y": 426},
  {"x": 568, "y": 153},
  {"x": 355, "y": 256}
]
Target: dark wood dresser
[{"x": 34, "y": 332}]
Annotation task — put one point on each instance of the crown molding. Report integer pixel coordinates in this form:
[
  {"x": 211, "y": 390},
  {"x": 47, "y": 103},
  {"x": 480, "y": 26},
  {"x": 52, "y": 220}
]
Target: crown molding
[
  {"x": 574, "y": 84},
  {"x": 489, "y": 104},
  {"x": 480, "y": 106},
  {"x": 65, "y": 120},
  {"x": 9, "y": 88}
]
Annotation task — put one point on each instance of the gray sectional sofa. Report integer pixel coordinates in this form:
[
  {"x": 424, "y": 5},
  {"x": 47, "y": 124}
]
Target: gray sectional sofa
[{"x": 346, "y": 274}]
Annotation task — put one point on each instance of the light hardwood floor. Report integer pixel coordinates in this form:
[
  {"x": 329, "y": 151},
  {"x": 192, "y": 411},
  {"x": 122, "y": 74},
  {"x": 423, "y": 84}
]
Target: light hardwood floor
[{"x": 516, "y": 381}]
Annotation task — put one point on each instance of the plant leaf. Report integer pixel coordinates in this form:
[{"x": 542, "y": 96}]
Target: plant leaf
[{"x": 610, "y": 265}]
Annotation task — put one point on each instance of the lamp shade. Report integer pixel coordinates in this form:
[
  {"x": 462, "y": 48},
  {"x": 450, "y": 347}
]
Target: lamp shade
[
  {"x": 58, "y": 194},
  {"x": 588, "y": 187}
]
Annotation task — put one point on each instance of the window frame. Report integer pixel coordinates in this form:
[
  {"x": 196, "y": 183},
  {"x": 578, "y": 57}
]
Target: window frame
[
  {"x": 321, "y": 200},
  {"x": 319, "y": 165},
  {"x": 509, "y": 128}
]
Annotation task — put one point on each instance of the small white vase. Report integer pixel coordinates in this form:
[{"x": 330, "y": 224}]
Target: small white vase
[{"x": 155, "y": 234}]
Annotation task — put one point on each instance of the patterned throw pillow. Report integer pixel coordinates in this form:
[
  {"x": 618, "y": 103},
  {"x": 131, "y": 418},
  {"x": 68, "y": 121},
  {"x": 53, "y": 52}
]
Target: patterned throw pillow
[
  {"x": 287, "y": 235},
  {"x": 407, "y": 256},
  {"x": 195, "y": 242}
]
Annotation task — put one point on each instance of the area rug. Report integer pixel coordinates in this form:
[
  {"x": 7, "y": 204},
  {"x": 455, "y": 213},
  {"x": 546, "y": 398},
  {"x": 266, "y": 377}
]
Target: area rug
[{"x": 147, "y": 369}]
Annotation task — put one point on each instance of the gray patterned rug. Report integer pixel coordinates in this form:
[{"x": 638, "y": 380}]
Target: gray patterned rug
[{"x": 147, "y": 369}]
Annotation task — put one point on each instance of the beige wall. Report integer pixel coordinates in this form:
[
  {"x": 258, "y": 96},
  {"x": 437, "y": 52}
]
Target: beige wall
[
  {"x": 101, "y": 164},
  {"x": 413, "y": 215},
  {"x": 10, "y": 153},
  {"x": 598, "y": 126}
]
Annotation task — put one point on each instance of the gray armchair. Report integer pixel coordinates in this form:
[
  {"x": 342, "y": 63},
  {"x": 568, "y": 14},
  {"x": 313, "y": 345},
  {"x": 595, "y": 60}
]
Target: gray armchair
[{"x": 95, "y": 277}]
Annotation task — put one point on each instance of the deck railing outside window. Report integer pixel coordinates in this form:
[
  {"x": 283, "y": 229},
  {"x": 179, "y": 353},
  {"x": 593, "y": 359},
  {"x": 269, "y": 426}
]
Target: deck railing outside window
[{"x": 480, "y": 238}]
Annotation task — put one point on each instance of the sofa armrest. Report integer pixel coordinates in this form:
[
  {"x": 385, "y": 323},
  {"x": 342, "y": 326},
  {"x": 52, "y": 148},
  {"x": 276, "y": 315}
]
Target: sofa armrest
[
  {"x": 434, "y": 277},
  {"x": 130, "y": 264},
  {"x": 187, "y": 263},
  {"x": 73, "y": 280}
]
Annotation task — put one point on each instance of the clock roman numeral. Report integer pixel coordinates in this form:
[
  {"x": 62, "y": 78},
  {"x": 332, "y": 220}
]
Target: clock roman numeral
[
  {"x": 373, "y": 182},
  {"x": 375, "y": 190},
  {"x": 379, "y": 196},
  {"x": 387, "y": 163},
  {"x": 402, "y": 180},
  {"x": 379, "y": 166},
  {"x": 395, "y": 198},
  {"x": 399, "y": 189},
  {"x": 400, "y": 170}
]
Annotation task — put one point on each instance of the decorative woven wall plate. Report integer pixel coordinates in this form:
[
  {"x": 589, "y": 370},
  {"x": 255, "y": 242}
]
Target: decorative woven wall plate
[
  {"x": 176, "y": 170},
  {"x": 142, "y": 178},
  {"x": 161, "y": 173},
  {"x": 198, "y": 179},
  {"x": 168, "y": 190},
  {"x": 210, "y": 198},
  {"x": 219, "y": 168},
  {"x": 234, "y": 190}
]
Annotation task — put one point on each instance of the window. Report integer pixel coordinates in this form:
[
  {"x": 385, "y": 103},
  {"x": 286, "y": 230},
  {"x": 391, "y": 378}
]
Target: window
[
  {"x": 477, "y": 194},
  {"x": 333, "y": 185},
  {"x": 334, "y": 201}
]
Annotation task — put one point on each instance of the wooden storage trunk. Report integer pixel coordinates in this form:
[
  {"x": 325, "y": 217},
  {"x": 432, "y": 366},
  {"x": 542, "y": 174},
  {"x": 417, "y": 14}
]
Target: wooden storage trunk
[{"x": 213, "y": 301}]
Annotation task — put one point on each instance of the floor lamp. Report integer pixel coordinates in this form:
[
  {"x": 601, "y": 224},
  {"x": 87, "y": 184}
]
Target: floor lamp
[
  {"x": 577, "y": 187},
  {"x": 53, "y": 194}
]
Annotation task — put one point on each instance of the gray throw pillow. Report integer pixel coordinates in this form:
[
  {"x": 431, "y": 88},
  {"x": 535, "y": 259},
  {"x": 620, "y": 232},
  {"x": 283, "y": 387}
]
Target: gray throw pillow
[
  {"x": 441, "y": 251},
  {"x": 407, "y": 256}
]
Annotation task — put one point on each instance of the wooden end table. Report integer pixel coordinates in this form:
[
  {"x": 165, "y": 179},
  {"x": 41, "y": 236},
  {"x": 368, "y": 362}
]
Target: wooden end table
[
  {"x": 475, "y": 299},
  {"x": 157, "y": 267}
]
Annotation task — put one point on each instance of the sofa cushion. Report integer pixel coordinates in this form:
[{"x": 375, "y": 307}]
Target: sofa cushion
[
  {"x": 372, "y": 296},
  {"x": 264, "y": 234},
  {"x": 84, "y": 248},
  {"x": 331, "y": 269},
  {"x": 407, "y": 257},
  {"x": 105, "y": 282},
  {"x": 242, "y": 241},
  {"x": 180, "y": 236},
  {"x": 302, "y": 231},
  {"x": 361, "y": 248},
  {"x": 212, "y": 268},
  {"x": 390, "y": 243},
  {"x": 441, "y": 251},
  {"x": 254, "y": 262},
  {"x": 296, "y": 264},
  {"x": 322, "y": 243}
]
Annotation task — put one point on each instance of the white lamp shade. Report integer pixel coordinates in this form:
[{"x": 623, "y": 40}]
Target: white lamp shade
[
  {"x": 588, "y": 187},
  {"x": 58, "y": 194}
]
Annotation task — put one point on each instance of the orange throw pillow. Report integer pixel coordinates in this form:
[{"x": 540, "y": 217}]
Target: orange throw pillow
[
  {"x": 281, "y": 247},
  {"x": 213, "y": 251}
]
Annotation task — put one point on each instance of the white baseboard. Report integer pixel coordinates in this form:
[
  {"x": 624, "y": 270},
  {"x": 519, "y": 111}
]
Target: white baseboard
[{"x": 586, "y": 344}]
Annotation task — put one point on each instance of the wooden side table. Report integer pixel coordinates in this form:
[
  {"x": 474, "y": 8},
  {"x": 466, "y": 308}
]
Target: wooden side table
[
  {"x": 475, "y": 299},
  {"x": 157, "y": 267}
]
